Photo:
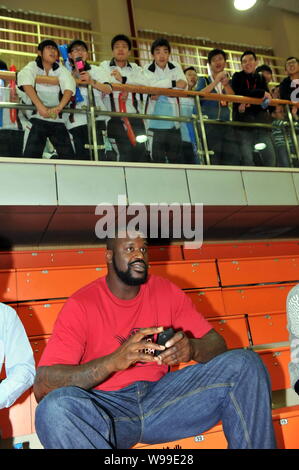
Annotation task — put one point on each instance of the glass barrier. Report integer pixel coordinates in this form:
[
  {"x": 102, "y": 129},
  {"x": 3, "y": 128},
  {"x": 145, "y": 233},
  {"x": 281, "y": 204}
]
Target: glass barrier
[{"x": 148, "y": 128}]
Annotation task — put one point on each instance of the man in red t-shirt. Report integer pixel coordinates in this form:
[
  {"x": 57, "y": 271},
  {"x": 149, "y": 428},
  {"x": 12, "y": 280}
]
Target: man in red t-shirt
[{"x": 100, "y": 385}]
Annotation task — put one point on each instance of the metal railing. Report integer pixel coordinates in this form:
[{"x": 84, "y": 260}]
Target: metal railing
[{"x": 197, "y": 120}]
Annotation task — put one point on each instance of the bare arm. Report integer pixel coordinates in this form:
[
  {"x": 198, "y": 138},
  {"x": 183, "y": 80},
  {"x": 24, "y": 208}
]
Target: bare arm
[
  {"x": 180, "y": 348},
  {"x": 94, "y": 372},
  {"x": 31, "y": 93},
  {"x": 85, "y": 78},
  {"x": 63, "y": 102}
]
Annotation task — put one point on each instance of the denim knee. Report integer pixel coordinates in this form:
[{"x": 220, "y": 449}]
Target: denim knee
[
  {"x": 53, "y": 406},
  {"x": 247, "y": 360}
]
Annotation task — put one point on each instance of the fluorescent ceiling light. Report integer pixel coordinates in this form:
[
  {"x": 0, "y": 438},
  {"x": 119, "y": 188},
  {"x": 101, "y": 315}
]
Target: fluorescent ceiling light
[{"x": 244, "y": 4}]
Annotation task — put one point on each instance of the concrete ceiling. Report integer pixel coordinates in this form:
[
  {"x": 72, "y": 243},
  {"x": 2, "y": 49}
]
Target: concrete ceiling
[{"x": 287, "y": 5}]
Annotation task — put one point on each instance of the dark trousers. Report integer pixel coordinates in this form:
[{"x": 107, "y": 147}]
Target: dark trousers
[
  {"x": 11, "y": 143},
  {"x": 57, "y": 134},
  {"x": 127, "y": 151},
  {"x": 189, "y": 155},
  {"x": 167, "y": 146},
  {"x": 81, "y": 137},
  {"x": 222, "y": 140},
  {"x": 247, "y": 139}
]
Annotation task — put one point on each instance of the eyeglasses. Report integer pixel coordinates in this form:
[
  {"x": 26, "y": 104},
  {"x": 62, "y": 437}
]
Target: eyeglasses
[
  {"x": 78, "y": 49},
  {"x": 291, "y": 62}
]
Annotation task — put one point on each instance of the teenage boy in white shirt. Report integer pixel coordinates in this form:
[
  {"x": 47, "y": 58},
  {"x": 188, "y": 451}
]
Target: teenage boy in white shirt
[
  {"x": 77, "y": 123},
  {"x": 49, "y": 100},
  {"x": 120, "y": 70},
  {"x": 161, "y": 73}
]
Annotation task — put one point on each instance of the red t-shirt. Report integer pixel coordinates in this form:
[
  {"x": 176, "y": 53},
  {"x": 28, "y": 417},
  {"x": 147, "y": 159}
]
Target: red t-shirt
[{"x": 94, "y": 323}]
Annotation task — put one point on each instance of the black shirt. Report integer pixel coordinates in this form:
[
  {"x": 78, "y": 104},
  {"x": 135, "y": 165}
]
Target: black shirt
[
  {"x": 286, "y": 89},
  {"x": 252, "y": 85}
]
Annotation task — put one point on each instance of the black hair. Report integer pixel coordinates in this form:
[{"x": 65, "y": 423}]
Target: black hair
[
  {"x": 121, "y": 37},
  {"x": 290, "y": 58},
  {"x": 3, "y": 65},
  {"x": 45, "y": 43},
  {"x": 264, "y": 68},
  {"x": 76, "y": 42},
  {"x": 214, "y": 52},
  {"x": 189, "y": 68},
  {"x": 160, "y": 42},
  {"x": 248, "y": 53}
]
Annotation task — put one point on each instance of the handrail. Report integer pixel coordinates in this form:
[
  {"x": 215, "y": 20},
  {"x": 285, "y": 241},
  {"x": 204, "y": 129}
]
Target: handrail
[{"x": 148, "y": 90}]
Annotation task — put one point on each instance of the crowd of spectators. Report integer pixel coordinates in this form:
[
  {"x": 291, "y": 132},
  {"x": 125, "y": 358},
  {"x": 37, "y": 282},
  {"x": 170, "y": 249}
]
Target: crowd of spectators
[{"x": 51, "y": 131}]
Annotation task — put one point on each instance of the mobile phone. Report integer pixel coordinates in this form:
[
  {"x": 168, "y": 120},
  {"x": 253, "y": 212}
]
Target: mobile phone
[
  {"x": 80, "y": 65},
  {"x": 163, "y": 337}
]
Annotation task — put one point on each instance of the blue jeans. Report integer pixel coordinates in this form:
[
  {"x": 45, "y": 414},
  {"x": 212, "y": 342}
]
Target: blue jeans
[{"x": 233, "y": 387}]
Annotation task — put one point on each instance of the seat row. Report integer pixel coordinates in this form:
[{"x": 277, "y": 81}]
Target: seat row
[{"x": 244, "y": 297}]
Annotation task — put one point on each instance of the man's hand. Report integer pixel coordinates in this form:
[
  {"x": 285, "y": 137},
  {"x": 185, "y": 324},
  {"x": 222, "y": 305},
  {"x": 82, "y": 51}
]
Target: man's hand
[
  {"x": 178, "y": 349},
  {"x": 225, "y": 81},
  {"x": 243, "y": 106},
  {"x": 85, "y": 77},
  {"x": 267, "y": 95},
  {"x": 220, "y": 76},
  {"x": 181, "y": 84},
  {"x": 53, "y": 112},
  {"x": 132, "y": 350},
  {"x": 295, "y": 110},
  {"x": 117, "y": 75},
  {"x": 43, "y": 111}
]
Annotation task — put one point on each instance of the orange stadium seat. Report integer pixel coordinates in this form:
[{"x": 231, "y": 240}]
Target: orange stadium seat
[
  {"x": 256, "y": 299},
  {"x": 52, "y": 258},
  {"x": 286, "y": 425},
  {"x": 242, "y": 250},
  {"x": 209, "y": 302},
  {"x": 186, "y": 274},
  {"x": 38, "y": 318},
  {"x": 234, "y": 330},
  {"x": 276, "y": 360},
  {"x": 165, "y": 253},
  {"x": 258, "y": 270},
  {"x": 212, "y": 439},
  {"x": 8, "y": 283},
  {"x": 51, "y": 283},
  {"x": 268, "y": 327}
]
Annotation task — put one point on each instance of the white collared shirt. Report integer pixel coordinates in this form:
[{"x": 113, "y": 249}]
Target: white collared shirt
[
  {"x": 164, "y": 105},
  {"x": 48, "y": 94},
  {"x": 16, "y": 355},
  {"x": 78, "y": 119},
  {"x": 132, "y": 75}
]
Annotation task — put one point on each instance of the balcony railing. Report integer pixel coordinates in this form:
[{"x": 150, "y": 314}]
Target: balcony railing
[{"x": 199, "y": 122}]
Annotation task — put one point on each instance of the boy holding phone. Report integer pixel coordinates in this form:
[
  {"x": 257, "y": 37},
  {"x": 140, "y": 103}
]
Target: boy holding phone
[{"x": 93, "y": 75}]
